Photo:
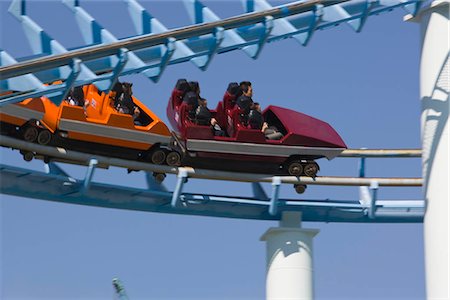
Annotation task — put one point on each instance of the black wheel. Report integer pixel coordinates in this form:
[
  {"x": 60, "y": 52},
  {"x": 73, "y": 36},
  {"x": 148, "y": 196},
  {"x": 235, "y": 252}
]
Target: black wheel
[
  {"x": 158, "y": 157},
  {"x": 159, "y": 177},
  {"x": 30, "y": 134},
  {"x": 44, "y": 137},
  {"x": 300, "y": 188},
  {"x": 295, "y": 168},
  {"x": 173, "y": 159},
  {"x": 311, "y": 169},
  {"x": 28, "y": 156}
]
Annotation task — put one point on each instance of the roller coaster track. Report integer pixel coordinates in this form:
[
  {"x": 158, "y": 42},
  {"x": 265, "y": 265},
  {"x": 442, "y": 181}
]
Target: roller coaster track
[
  {"x": 61, "y": 187},
  {"x": 104, "y": 58}
]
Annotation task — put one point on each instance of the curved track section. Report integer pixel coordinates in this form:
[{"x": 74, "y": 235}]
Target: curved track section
[
  {"x": 104, "y": 57},
  {"x": 61, "y": 187},
  {"x": 64, "y": 189}
]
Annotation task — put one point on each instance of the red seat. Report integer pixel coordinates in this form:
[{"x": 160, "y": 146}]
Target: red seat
[
  {"x": 229, "y": 101},
  {"x": 234, "y": 121},
  {"x": 177, "y": 97}
]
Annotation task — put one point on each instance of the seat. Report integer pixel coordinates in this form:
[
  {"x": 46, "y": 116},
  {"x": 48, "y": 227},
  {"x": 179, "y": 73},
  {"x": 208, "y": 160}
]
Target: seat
[{"x": 234, "y": 121}]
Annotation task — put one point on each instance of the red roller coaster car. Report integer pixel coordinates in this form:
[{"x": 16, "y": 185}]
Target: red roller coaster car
[{"x": 304, "y": 140}]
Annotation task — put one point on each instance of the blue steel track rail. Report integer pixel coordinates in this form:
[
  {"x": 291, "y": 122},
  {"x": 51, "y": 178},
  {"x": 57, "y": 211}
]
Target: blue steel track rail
[
  {"x": 57, "y": 185},
  {"x": 65, "y": 189},
  {"x": 104, "y": 58}
]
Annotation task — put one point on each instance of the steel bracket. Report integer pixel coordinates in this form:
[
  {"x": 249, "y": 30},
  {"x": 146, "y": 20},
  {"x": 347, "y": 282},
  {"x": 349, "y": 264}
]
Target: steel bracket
[
  {"x": 89, "y": 174},
  {"x": 318, "y": 12},
  {"x": 373, "y": 199},
  {"x": 273, "y": 206},
  {"x": 203, "y": 61},
  {"x": 181, "y": 180}
]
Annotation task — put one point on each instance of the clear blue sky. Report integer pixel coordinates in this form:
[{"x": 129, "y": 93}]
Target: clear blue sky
[{"x": 365, "y": 85}]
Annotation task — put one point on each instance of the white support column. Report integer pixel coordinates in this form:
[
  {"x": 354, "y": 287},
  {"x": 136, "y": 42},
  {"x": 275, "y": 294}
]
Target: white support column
[
  {"x": 434, "y": 93},
  {"x": 289, "y": 259}
]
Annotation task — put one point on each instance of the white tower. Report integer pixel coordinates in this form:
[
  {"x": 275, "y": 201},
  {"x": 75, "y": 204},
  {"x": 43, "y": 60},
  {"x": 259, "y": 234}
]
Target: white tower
[{"x": 434, "y": 93}]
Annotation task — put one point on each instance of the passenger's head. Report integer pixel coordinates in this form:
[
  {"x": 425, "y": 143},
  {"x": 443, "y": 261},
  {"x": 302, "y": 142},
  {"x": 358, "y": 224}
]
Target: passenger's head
[
  {"x": 77, "y": 93},
  {"x": 256, "y": 106},
  {"x": 234, "y": 89},
  {"x": 117, "y": 87},
  {"x": 182, "y": 85},
  {"x": 126, "y": 87},
  {"x": 195, "y": 87},
  {"x": 244, "y": 103},
  {"x": 191, "y": 98},
  {"x": 246, "y": 87}
]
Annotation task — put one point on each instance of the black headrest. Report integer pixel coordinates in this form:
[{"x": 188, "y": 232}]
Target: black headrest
[
  {"x": 182, "y": 85},
  {"x": 233, "y": 88},
  {"x": 191, "y": 99}
]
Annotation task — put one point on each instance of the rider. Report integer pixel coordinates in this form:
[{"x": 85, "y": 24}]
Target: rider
[
  {"x": 256, "y": 121},
  {"x": 76, "y": 97},
  {"x": 204, "y": 117}
]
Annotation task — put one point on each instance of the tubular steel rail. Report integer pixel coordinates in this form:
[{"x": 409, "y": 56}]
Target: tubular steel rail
[{"x": 84, "y": 159}]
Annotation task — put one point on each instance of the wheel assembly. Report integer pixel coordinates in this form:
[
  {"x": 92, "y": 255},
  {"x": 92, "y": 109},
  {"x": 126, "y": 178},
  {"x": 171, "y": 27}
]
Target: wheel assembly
[
  {"x": 295, "y": 168},
  {"x": 158, "y": 157},
  {"x": 173, "y": 159},
  {"x": 28, "y": 156},
  {"x": 44, "y": 137},
  {"x": 159, "y": 177},
  {"x": 30, "y": 134},
  {"x": 300, "y": 188},
  {"x": 311, "y": 169}
]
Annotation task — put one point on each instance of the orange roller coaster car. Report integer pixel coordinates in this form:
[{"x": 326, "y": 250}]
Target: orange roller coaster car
[{"x": 96, "y": 126}]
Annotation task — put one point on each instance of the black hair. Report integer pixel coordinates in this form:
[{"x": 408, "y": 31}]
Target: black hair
[
  {"x": 182, "y": 85},
  {"x": 117, "y": 87},
  {"x": 244, "y": 85},
  {"x": 233, "y": 88},
  {"x": 191, "y": 98},
  {"x": 194, "y": 86},
  {"x": 77, "y": 93}
]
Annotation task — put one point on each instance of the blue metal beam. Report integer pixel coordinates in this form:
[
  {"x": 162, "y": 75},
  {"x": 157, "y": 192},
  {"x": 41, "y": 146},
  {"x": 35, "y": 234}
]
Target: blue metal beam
[
  {"x": 299, "y": 21},
  {"x": 56, "y": 188}
]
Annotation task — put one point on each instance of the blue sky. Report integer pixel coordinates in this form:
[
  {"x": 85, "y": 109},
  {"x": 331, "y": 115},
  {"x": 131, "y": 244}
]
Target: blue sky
[{"x": 365, "y": 85}]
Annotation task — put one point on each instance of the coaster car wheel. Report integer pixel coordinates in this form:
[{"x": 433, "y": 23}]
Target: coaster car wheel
[
  {"x": 173, "y": 159},
  {"x": 28, "y": 156},
  {"x": 295, "y": 168},
  {"x": 300, "y": 188},
  {"x": 158, "y": 157},
  {"x": 311, "y": 169},
  {"x": 30, "y": 133},
  {"x": 44, "y": 137},
  {"x": 159, "y": 177}
]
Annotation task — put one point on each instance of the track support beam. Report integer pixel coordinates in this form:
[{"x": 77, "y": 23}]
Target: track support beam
[{"x": 289, "y": 259}]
